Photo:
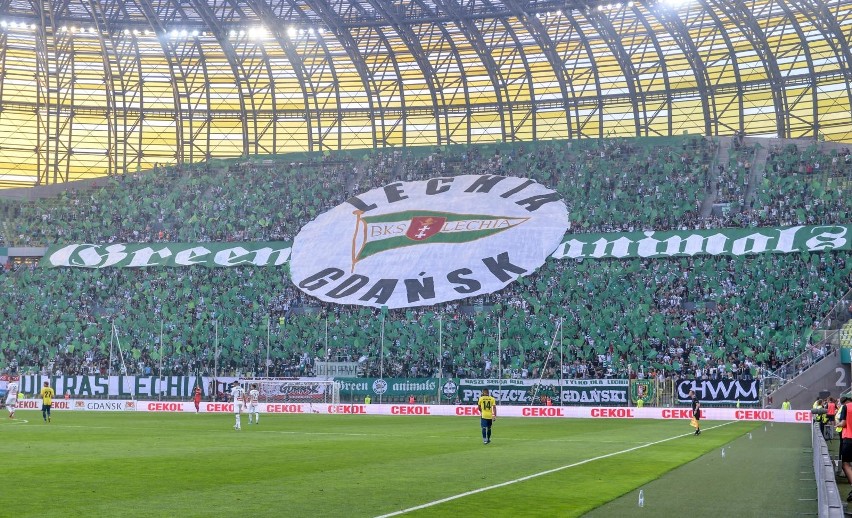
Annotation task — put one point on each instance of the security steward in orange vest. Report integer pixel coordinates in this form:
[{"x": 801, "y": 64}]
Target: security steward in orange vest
[{"x": 845, "y": 425}]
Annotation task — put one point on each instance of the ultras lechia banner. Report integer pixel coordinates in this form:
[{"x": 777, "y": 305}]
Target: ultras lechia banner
[{"x": 729, "y": 241}]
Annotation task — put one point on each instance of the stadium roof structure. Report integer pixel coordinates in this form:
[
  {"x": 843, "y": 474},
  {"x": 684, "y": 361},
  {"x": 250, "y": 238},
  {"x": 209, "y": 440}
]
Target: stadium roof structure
[{"x": 96, "y": 87}]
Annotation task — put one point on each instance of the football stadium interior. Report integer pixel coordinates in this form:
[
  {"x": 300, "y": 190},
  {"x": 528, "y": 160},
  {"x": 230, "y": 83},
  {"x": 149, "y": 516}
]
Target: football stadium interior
[{"x": 590, "y": 208}]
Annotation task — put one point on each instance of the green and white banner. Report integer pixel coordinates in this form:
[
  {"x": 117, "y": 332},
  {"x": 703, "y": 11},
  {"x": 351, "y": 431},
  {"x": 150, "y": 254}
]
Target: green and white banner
[
  {"x": 725, "y": 241},
  {"x": 167, "y": 254},
  {"x": 530, "y": 392},
  {"x": 642, "y": 390},
  {"x": 4, "y": 255},
  {"x": 387, "y": 387},
  {"x": 652, "y": 244},
  {"x": 420, "y": 243}
]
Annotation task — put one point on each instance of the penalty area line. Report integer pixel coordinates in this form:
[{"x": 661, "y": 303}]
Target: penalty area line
[{"x": 540, "y": 474}]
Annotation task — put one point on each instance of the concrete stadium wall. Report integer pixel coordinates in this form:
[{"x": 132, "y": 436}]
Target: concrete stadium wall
[{"x": 826, "y": 375}]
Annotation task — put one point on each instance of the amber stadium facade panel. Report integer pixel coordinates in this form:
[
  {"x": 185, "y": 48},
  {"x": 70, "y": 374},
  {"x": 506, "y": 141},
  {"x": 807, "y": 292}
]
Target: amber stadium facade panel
[{"x": 96, "y": 87}]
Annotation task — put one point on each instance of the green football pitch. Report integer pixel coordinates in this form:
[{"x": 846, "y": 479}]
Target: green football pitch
[{"x": 141, "y": 464}]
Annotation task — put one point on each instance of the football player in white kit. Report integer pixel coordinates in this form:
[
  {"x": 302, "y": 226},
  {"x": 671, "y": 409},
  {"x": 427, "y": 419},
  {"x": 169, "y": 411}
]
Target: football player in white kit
[
  {"x": 253, "y": 402},
  {"x": 12, "y": 398},
  {"x": 239, "y": 395}
]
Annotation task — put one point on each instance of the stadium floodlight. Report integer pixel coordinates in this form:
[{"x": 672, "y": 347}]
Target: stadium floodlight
[
  {"x": 629, "y": 4},
  {"x": 242, "y": 33},
  {"x": 291, "y": 32},
  {"x": 183, "y": 33},
  {"x": 174, "y": 33},
  {"x": 195, "y": 33},
  {"x": 321, "y": 31},
  {"x": 3, "y": 24},
  {"x": 311, "y": 31}
]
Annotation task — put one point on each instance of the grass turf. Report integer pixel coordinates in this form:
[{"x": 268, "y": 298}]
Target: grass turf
[
  {"x": 769, "y": 474},
  {"x": 139, "y": 464}
]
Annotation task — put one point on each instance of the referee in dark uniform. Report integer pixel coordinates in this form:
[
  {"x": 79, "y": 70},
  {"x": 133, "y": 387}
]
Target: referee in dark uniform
[{"x": 696, "y": 411}]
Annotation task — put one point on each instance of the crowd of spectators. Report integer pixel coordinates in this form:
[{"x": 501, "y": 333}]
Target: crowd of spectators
[
  {"x": 610, "y": 185},
  {"x": 705, "y": 316}
]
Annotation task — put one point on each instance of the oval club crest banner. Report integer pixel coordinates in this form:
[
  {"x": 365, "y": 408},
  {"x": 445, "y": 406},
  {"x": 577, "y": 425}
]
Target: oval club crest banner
[{"x": 420, "y": 243}]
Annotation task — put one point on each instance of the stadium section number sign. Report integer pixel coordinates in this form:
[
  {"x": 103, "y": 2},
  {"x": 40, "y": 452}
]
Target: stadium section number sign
[{"x": 420, "y": 243}]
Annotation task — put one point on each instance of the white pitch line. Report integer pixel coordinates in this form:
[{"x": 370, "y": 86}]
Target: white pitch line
[
  {"x": 462, "y": 437},
  {"x": 539, "y": 474}
]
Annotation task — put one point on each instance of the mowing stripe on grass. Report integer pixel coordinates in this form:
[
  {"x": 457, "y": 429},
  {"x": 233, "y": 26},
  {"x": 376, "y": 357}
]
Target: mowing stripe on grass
[
  {"x": 16, "y": 421},
  {"x": 541, "y": 473}
]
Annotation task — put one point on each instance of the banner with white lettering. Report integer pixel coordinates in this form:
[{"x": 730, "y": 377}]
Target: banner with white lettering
[
  {"x": 129, "y": 387},
  {"x": 332, "y": 369},
  {"x": 720, "y": 391},
  {"x": 653, "y": 244},
  {"x": 167, "y": 254},
  {"x": 722, "y": 241},
  {"x": 526, "y": 392},
  {"x": 387, "y": 387}
]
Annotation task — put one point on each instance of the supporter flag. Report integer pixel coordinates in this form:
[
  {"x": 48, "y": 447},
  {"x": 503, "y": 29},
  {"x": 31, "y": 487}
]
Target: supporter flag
[
  {"x": 4, "y": 256},
  {"x": 693, "y": 422},
  {"x": 375, "y": 234}
]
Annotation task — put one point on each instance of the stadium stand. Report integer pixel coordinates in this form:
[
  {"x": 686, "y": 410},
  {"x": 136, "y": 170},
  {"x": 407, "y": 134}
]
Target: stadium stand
[
  {"x": 610, "y": 185},
  {"x": 704, "y": 316}
]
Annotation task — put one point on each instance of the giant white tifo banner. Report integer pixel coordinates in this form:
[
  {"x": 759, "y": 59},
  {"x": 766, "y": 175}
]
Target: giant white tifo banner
[
  {"x": 567, "y": 412},
  {"x": 421, "y": 243}
]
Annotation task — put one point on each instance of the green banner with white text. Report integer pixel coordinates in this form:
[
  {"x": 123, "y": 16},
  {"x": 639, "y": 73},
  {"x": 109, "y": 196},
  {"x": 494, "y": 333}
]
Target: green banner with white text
[
  {"x": 167, "y": 254},
  {"x": 387, "y": 387},
  {"x": 724, "y": 241},
  {"x": 651, "y": 244}
]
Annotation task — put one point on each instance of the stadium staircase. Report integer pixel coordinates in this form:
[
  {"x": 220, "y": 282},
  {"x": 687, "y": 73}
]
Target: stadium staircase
[
  {"x": 722, "y": 148},
  {"x": 758, "y": 169},
  {"x": 819, "y": 368}
]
